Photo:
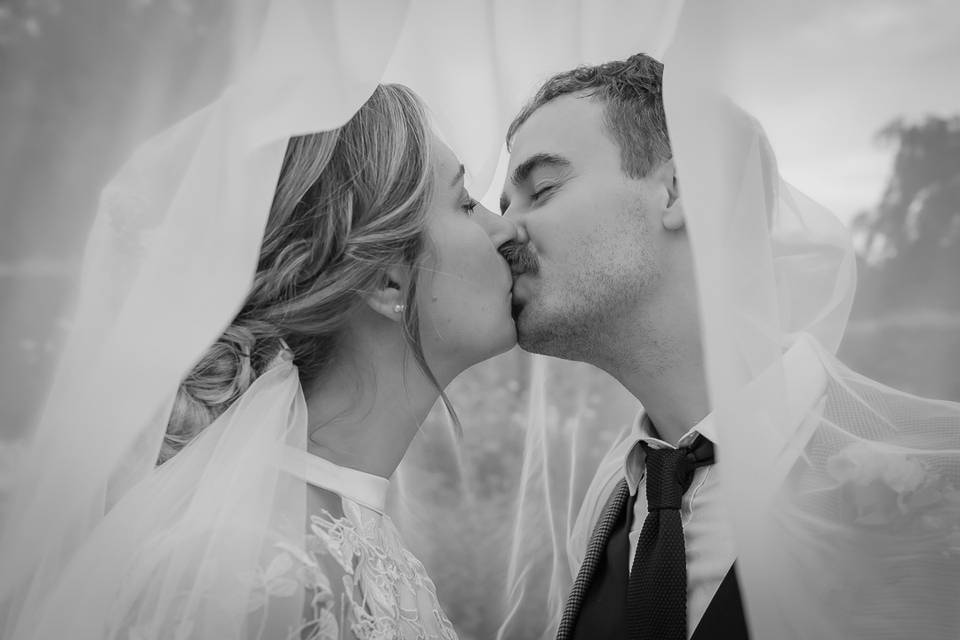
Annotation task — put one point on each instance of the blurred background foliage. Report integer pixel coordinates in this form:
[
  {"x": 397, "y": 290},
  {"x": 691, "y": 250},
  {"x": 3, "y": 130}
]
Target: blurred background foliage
[
  {"x": 905, "y": 324},
  {"x": 58, "y": 109}
]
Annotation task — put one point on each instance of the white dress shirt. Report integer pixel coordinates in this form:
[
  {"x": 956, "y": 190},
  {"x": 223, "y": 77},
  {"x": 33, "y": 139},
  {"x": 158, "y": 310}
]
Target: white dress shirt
[{"x": 706, "y": 531}]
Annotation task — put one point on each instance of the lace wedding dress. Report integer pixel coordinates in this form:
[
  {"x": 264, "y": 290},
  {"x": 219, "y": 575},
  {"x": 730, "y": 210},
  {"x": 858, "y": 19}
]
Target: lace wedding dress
[{"x": 360, "y": 580}]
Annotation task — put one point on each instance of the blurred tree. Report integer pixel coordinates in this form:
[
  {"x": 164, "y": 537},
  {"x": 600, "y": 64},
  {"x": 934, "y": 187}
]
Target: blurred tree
[
  {"x": 905, "y": 324},
  {"x": 910, "y": 241}
]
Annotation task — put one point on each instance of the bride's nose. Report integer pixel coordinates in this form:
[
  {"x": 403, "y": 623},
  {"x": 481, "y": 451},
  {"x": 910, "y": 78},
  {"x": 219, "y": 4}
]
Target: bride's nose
[{"x": 500, "y": 228}]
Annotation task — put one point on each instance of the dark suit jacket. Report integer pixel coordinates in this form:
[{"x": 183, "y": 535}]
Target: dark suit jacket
[{"x": 723, "y": 620}]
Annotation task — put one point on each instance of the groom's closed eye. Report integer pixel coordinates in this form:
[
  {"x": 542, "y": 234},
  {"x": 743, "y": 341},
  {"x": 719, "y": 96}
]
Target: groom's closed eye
[
  {"x": 541, "y": 191},
  {"x": 539, "y": 165}
]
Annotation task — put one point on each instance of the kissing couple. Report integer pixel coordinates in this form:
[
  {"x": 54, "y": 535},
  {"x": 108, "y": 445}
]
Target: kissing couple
[{"x": 379, "y": 279}]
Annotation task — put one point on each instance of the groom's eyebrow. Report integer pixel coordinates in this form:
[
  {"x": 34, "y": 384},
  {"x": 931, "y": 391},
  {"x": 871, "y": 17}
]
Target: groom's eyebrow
[{"x": 534, "y": 162}]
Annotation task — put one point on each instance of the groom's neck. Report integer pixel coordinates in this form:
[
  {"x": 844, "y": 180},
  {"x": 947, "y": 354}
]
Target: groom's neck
[{"x": 668, "y": 379}]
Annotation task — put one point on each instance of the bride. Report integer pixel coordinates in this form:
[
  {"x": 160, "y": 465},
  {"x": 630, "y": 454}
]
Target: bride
[{"x": 378, "y": 281}]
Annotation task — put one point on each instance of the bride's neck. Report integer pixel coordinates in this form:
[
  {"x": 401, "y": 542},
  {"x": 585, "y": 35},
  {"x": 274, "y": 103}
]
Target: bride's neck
[{"x": 366, "y": 407}]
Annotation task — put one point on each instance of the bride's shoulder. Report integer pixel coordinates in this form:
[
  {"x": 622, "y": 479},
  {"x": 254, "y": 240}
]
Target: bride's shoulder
[{"x": 324, "y": 501}]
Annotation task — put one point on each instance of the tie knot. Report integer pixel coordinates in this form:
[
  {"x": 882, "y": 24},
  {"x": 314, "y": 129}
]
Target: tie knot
[{"x": 670, "y": 471}]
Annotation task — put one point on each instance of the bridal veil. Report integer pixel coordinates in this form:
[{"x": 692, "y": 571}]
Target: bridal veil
[{"x": 847, "y": 526}]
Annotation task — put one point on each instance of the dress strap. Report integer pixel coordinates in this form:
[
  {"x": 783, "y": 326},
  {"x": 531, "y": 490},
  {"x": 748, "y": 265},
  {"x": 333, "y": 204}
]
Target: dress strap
[{"x": 358, "y": 486}]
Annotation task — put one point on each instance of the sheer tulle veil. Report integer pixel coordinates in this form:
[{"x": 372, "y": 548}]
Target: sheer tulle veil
[
  {"x": 96, "y": 539},
  {"x": 848, "y": 508},
  {"x": 855, "y": 515}
]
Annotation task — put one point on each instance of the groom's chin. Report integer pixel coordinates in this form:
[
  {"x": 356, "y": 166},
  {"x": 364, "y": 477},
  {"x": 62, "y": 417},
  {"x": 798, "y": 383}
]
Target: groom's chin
[
  {"x": 533, "y": 334},
  {"x": 532, "y": 343},
  {"x": 528, "y": 337},
  {"x": 547, "y": 335}
]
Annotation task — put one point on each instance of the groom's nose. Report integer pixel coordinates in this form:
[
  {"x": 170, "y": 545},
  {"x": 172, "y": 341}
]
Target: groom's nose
[
  {"x": 522, "y": 236},
  {"x": 500, "y": 228}
]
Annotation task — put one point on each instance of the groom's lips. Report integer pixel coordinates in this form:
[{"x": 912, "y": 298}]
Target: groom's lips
[
  {"x": 517, "y": 299},
  {"x": 515, "y": 309}
]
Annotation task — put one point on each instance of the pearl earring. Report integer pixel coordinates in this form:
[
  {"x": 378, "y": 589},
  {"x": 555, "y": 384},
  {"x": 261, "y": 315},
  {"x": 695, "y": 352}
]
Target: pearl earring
[{"x": 399, "y": 308}]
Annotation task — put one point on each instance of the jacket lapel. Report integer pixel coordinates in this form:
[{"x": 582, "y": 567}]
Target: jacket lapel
[{"x": 609, "y": 517}]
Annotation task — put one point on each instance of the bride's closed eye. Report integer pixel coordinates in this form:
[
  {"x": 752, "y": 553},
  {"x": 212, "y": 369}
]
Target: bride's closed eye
[{"x": 468, "y": 205}]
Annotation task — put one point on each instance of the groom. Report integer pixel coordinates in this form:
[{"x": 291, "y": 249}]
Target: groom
[{"x": 607, "y": 278}]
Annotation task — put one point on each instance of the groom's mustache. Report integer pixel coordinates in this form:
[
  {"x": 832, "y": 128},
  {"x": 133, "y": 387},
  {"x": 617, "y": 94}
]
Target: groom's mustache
[{"x": 520, "y": 257}]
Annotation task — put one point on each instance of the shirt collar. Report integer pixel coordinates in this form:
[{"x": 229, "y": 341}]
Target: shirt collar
[
  {"x": 805, "y": 376},
  {"x": 644, "y": 431}
]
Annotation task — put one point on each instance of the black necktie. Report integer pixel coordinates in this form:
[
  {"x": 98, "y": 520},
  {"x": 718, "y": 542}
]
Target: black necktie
[{"x": 657, "y": 589}]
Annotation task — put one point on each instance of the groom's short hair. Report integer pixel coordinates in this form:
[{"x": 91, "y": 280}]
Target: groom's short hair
[{"x": 632, "y": 90}]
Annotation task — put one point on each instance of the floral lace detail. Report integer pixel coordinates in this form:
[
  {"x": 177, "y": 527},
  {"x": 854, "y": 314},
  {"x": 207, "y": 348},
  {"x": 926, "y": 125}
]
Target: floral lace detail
[
  {"x": 883, "y": 487},
  {"x": 385, "y": 595},
  {"x": 387, "y": 588}
]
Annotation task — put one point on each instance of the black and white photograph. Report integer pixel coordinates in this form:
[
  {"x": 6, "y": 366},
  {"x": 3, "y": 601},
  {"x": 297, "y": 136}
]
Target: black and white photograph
[{"x": 479, "y": 320}]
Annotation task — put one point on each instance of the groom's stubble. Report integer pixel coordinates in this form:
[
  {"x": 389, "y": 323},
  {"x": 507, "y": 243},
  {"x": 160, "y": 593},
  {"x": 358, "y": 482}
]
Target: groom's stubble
[{"x": 582, "y": 310}]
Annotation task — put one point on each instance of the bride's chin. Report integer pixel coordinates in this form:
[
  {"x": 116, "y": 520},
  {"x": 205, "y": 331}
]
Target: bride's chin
[
  {"x": 504, "y": 339},
  {"x": 506, "y": 346},
  {"x": 509, "y": 340}
]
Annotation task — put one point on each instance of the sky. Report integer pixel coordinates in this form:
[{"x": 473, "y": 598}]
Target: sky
[{"x": 865, "y": 63}]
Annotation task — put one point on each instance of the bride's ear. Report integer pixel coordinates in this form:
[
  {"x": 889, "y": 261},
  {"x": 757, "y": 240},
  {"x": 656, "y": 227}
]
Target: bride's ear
[
  {"x": 390, "y": 297},
  {"x": 672, "y": 216}
]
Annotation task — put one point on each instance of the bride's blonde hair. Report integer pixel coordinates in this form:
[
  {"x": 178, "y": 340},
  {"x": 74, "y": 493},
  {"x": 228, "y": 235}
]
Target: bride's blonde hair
[{"x": 349, "y": 203}]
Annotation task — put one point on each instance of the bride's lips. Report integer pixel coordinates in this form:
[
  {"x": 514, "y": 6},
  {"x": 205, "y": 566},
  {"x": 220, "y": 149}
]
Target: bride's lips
[
  {"x": 509, "y": 281},
  {"x": 518, "y": 296}
]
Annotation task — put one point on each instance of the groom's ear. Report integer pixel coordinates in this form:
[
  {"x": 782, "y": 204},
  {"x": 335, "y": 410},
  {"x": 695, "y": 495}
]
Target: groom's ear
[
  {"x": 391, "y": 293},
  {"x": 672, "y": 215}
]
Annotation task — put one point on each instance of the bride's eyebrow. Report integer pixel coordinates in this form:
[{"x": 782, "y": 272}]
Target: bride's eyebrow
[{"x": 458, "y": 177}]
